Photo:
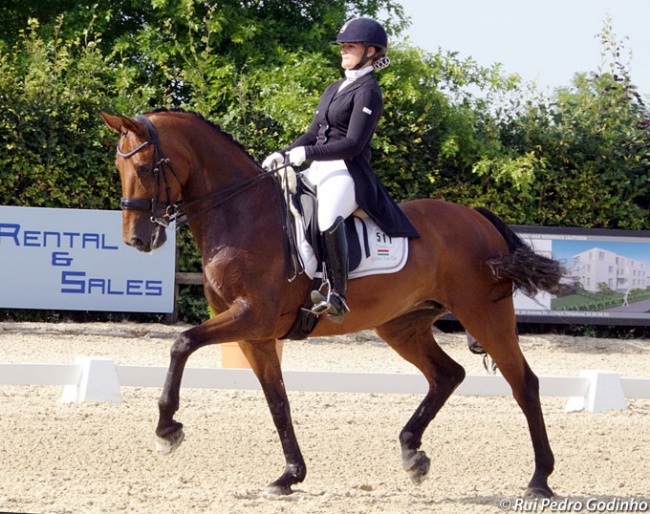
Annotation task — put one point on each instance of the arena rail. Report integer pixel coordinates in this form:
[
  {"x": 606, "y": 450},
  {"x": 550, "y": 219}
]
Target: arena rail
[{"x": 100, "y": 379}]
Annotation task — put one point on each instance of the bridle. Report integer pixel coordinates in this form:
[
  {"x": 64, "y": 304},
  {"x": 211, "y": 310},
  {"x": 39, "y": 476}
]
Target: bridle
[
  {"x": 175, "y": 213},
  {"x": 160, "y": 163}
]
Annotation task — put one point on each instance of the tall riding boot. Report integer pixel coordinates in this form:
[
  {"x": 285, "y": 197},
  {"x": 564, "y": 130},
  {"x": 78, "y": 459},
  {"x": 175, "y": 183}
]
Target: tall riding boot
[{"x": 336, "y": 268}]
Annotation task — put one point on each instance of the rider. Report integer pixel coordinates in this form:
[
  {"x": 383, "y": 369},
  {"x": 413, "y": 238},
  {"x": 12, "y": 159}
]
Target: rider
[{"x": 338, "y": 143}]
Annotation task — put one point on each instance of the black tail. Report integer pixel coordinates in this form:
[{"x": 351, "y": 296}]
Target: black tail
[{"x": 528, "y": 271}]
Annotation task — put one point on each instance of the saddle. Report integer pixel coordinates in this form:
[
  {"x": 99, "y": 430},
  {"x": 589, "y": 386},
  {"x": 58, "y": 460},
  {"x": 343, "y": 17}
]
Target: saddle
[
  {"x": 366, "y": 256},
  {"x": 304, "y": 206}
]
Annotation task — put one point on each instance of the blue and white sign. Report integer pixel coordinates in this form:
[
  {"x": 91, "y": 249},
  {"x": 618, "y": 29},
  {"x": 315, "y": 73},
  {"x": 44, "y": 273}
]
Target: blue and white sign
[{"x": 75, "y": 259}]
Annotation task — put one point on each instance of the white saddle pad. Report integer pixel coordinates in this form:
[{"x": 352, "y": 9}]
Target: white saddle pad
[{"x": 387, "y": 254}]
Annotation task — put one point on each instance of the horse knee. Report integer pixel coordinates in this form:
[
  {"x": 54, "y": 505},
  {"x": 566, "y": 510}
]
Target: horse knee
[
  {"x": 449, "y": 378},
  {"x": 181, "y": 347}
]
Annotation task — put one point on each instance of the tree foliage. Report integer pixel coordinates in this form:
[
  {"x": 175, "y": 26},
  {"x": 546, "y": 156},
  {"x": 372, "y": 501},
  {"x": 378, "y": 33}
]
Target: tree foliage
[
  {"x": 580, "y": 157},
  {"x": 452, "y": 128}
]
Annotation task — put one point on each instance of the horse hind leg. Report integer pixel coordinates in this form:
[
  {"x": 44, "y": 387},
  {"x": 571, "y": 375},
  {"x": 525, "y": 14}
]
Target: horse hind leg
[
  {"x": 502, "y": 344},
  {"x": 411, "y": 337}
]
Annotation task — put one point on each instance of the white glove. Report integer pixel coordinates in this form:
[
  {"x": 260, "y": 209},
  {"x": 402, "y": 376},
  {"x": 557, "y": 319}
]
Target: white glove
[
  {"x": 273, "y": 161},
  {"x": 297, "y": 156}
]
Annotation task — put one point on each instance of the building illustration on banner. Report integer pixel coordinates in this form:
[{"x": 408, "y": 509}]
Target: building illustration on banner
[
  {"x": 599, "y": 266},
  {"x": 607, "y": 276}
]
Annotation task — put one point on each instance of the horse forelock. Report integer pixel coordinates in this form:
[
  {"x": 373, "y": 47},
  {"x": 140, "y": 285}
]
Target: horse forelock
[{"x": 212, "y": 125}]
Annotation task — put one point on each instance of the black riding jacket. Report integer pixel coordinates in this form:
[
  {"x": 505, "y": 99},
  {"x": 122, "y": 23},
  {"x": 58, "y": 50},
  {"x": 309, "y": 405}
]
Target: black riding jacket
[{"x": 342, "y": 128}]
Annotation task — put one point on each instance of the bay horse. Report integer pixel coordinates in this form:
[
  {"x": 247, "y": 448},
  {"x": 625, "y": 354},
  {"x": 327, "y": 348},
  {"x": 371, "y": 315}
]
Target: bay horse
[{"x": 467, "y": 262}]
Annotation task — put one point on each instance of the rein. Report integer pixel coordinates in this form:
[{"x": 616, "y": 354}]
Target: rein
[
  {"x": 221, "y": 197},
  {"x": 175, "y": 213}
]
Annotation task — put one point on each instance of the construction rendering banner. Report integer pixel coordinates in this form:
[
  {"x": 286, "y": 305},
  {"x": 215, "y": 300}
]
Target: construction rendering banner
[{"x": 608, "y": 276}]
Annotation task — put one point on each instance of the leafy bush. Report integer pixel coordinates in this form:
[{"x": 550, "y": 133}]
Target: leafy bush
[{"x": 452, "y": 129}]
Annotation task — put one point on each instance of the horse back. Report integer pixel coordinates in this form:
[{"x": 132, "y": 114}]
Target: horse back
[{"x": 453, "y": 229}]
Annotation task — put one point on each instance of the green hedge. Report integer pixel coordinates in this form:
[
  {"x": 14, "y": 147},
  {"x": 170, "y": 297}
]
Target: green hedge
[{"x": 580, "y": 157}]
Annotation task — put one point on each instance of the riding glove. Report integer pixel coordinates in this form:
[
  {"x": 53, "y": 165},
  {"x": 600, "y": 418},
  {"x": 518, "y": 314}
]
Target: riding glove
[
  {"x": 297, "y": 156},
  {"x": 273, "y": 161}
]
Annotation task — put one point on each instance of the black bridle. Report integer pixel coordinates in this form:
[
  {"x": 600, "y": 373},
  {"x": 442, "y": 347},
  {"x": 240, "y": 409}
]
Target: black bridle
[
  {"x": 160, "y": 163},
  {"x": 174, "y": 212}
]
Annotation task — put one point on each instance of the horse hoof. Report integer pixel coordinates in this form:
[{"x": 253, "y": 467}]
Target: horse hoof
[
  {"x": 278, "y": 490},
  {"x": 417, "y": 466},
  {"x": 167, "y": 445},
  {"x": 539, "y": 492}
]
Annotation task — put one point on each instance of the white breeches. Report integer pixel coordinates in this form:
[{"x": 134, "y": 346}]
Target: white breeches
[{"x": 334, "y": 190}]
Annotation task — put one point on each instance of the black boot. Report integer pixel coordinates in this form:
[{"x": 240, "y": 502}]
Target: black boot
[{"x": 336, "y": 270}]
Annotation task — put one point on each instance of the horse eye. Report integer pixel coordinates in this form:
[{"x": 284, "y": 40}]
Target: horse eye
[{"x": 142, "y": 169}]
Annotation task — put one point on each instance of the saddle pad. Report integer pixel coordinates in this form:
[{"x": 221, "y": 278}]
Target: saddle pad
[{"x": 380, "y": 254}]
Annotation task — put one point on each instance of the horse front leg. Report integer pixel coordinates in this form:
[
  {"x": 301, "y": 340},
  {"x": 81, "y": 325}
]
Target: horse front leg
[
  {"x": 411, "y": 336},
  {"x": 230, "y": 325},
  {"x": 170, "y": 432},
  {"x": 265, "y": 363}
]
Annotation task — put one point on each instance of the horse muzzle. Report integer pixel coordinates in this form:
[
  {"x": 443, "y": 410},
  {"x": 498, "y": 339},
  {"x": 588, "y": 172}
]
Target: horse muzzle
[
  {"x": 145, "y": 237},
  {"x": 142, "y": 228}
]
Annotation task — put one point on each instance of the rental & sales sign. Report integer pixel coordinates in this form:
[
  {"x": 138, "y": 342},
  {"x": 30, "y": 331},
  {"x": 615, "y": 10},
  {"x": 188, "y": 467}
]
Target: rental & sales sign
[{"x": 75, "y": 259}]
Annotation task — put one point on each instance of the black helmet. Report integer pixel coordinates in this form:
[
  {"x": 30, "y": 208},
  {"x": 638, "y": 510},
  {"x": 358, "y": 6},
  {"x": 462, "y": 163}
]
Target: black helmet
[{"x": 363, "y": 30}]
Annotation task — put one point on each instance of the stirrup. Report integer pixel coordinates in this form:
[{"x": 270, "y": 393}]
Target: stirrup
[
  {"x": 319, "y": 303},
  {"x": 337, "y": 309},
  {"x": 333, "y": 304}
]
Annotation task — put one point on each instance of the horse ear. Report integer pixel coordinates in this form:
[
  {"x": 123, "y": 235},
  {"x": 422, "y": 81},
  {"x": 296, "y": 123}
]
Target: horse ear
[
  {"x": 121, "y": 124},
  {"x": 113, "y": 122}
]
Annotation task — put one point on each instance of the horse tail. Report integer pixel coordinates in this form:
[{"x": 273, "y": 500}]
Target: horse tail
[{"x": 528, "y": 270}]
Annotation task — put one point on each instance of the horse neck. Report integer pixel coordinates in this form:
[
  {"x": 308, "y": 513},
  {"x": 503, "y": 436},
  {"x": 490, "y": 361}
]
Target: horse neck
[{"x": 218, "y": 165}]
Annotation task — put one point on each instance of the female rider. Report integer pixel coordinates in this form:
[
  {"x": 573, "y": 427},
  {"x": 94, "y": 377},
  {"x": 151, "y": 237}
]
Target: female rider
[{"x": 338, "y": 143}]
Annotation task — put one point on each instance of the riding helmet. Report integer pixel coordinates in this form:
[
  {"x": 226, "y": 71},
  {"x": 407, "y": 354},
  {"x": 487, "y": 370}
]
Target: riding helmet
[{"x": 363, "y": 30}]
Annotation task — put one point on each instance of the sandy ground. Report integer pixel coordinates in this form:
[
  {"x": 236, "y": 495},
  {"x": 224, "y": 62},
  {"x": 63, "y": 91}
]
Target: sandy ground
[{"x": 100, "y": 457}]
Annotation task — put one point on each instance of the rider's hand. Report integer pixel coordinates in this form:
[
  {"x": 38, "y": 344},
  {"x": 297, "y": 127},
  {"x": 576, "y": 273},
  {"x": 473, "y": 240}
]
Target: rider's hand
[
  {"x": 273, "y": 161},
  {"x": 297, "y": 156}
]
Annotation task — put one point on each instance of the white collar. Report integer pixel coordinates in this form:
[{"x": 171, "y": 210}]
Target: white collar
[{"x": 355, "y": 74}]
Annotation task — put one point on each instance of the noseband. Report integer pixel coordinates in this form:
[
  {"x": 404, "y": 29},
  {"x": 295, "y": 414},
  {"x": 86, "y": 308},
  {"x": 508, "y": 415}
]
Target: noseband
[{"x": 160, "y": 163}]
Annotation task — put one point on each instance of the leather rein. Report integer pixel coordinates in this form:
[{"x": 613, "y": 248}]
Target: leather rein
[{"x": 173, "y": 212}]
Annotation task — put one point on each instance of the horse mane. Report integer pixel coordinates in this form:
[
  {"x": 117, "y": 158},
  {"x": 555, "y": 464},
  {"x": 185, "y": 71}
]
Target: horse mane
[{"x": 214, "y": 126}]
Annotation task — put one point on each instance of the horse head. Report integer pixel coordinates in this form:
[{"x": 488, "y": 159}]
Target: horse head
[{"x": 150, "y": 185}]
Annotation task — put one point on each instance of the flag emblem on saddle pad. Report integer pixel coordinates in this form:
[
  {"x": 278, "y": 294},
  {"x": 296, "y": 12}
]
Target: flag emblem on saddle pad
[{"x": 383, "y": 252}]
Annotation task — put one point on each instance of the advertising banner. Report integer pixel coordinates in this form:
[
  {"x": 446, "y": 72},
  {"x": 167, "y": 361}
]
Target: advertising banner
[
  {"x": 608, "y": 276},
  {"x": 75, "y": 259}
]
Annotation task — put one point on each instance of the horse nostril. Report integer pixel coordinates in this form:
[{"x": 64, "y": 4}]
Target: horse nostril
[{"x": 138, "y": 244}]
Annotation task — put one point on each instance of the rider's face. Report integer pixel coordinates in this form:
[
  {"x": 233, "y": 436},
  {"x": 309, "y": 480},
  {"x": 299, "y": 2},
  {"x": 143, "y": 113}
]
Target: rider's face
[{"x": 352, "y": 53}]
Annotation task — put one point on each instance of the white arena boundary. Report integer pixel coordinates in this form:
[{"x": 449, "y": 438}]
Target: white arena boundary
[{"x": 100, "y": 380}]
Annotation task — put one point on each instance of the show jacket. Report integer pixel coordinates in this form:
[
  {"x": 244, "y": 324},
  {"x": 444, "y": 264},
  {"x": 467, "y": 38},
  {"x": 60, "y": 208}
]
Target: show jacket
[{"x": 342, "y": 128}]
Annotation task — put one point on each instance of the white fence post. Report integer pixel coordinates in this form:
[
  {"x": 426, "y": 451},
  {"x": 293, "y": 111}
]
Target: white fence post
[
  {"x": 98, "y": 382},
  {"x": 605, "y": 392}
]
